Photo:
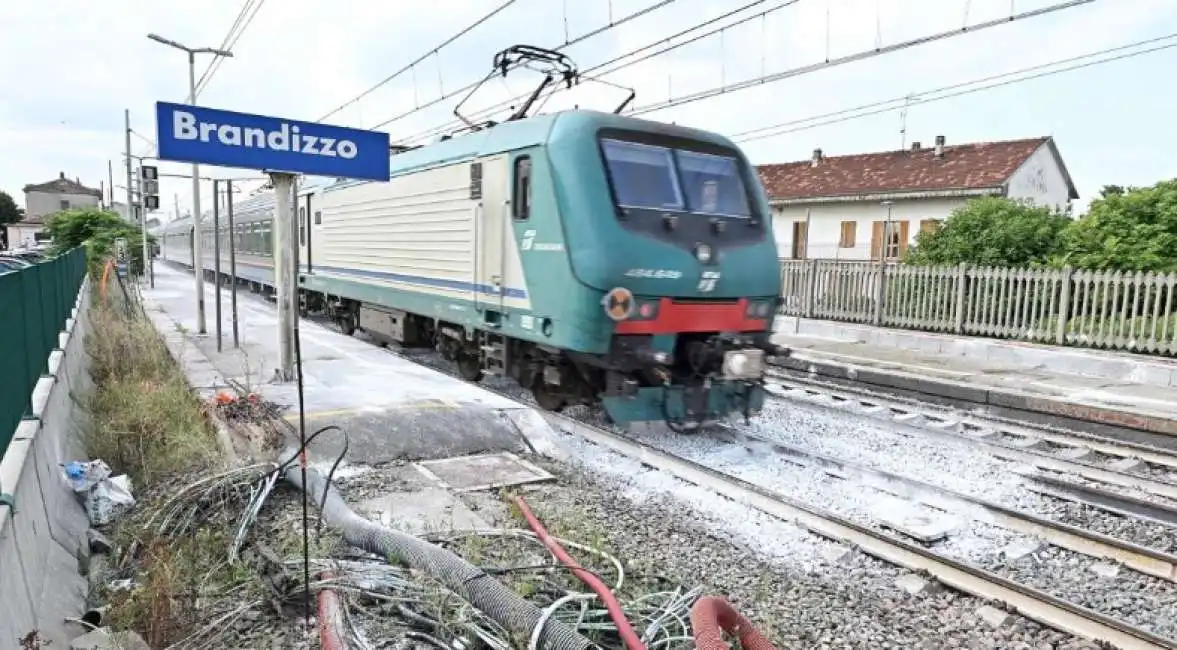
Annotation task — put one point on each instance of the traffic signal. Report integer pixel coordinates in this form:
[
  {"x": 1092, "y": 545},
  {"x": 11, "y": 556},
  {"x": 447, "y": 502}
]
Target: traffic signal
[{"x": 149, "y": 187}]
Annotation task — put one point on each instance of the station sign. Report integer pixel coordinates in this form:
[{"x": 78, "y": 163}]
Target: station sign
[{"x": 198, "y": 134}]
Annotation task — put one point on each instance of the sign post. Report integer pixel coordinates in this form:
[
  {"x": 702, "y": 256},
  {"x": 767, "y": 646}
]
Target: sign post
[{"x": 282, "y": 148}]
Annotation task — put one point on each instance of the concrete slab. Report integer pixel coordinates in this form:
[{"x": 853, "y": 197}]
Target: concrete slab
[
  {"x": 913, "y": 584},
  {"x": 918, "y": 527},
  {"x": 390, "y": 407},
  {"x": 996, "y": 618},
  {"x": 428, "y": 510},
  {"x": 482, "y": 472}
]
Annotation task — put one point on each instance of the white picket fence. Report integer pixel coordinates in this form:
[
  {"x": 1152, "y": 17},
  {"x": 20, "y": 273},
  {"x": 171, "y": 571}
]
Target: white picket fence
[{"x": 1116, "y": 310}]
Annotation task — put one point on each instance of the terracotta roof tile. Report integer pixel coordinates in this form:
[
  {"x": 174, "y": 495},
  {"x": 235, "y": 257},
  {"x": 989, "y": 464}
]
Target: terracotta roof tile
[{"x": 963, "y": 166}]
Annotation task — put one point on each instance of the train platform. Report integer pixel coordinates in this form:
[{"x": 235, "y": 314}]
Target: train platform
[
  {"x": 390, "y": 407},
  {"x": 1051, "y": 385}
]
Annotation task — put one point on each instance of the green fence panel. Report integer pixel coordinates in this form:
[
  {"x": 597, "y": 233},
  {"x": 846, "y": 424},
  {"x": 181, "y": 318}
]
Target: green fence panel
[{"x": 37, "y": 302}]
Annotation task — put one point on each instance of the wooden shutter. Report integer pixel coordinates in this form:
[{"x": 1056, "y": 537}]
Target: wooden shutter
[
  {"x": 800, "y": 239},
  {"x": 904, "y": 233},
  {"x": 929, "y": 225},
  {"x": 876, "y": 240},
  {"x": 849, "y": 230}
]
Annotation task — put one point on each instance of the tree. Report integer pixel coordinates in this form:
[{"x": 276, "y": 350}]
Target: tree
[
  {"x": 1134, "y": 229},
  {"x": 992, "y": 231},
  {"x": 9, "y": 212},
  {"x": 96, "y": 230}
]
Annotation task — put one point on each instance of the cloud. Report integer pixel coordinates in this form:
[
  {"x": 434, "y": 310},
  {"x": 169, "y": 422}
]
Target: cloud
[{"x": 74, "y": 67}]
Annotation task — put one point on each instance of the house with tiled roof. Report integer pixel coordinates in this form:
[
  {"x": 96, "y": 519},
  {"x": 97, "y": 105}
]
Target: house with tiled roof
[
  {"x": 44, "y": 199},
  {"x": 870, "y": 206}
]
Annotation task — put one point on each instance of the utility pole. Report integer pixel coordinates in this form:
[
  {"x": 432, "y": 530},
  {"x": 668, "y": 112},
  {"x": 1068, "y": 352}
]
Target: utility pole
[
  {"x": 284, "y": 272},
  {"x": 130, "y": 198},
  {"x": 110, "y": 180},
  {"x": 197, "y": 267}
]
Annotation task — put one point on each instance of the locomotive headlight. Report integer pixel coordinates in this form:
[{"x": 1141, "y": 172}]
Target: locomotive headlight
[{"x": 703, "y": 253}]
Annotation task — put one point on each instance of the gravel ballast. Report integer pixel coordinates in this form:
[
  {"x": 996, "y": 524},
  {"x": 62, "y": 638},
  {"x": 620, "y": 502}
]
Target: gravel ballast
[{"x": 801, "y": 590}]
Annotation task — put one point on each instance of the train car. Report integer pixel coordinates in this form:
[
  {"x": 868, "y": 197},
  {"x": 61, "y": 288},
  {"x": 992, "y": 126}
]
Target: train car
[{"x": 593, "y": 258}]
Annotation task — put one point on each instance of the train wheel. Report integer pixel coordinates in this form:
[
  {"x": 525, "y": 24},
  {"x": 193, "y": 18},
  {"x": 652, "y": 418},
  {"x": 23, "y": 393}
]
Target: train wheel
[
  {"x": 548, "y": 399},
  {"x": 469, "y": 367}
]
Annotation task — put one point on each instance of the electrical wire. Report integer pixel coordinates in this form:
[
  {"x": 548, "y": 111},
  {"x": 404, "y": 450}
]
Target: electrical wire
[
  {"x": 594, "y": 73},
  {"x": 579, "y": 39},
  {"x": 850, "y": 58},
  {"x": 228, "y": 45},
  {"x": 421, "y": 58},
  {"x": 962, "y": 88}
]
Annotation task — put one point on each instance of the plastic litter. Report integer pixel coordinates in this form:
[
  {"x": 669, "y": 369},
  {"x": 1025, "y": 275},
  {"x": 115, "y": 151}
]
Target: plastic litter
[{"x": 103, "y": 495}]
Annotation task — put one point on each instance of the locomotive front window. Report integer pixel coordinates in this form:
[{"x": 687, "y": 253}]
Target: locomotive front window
[
  {"x": 643, "y": 176},
  {"x": 712, "y": 184}
]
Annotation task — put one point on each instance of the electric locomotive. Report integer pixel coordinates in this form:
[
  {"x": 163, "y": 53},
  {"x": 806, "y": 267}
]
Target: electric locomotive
[{"x": 594, "y": 258}]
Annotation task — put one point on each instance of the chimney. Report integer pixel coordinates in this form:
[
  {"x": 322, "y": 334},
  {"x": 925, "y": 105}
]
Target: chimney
[
  {"x": 816, "y": 156},
  {"x": 61, "y": 175},
  {"x": 915, "y": 146},
  {"x": 939, "y": 146}
]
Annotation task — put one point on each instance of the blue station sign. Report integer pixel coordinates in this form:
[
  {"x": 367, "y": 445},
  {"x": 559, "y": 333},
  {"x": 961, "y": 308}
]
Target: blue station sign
[{"x": 210, "y": 136}]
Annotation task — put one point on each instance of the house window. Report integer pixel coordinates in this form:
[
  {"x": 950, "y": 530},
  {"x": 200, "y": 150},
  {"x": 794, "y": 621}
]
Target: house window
[
  {"x": 302, "y": 227},
  {"x": 318, "y": 217},
  {"x": 64, "y": 204},
  {"x": 889, "y": 239},
  {"x": 849, "y": 230},
  {"x": 929, "y": 225}
]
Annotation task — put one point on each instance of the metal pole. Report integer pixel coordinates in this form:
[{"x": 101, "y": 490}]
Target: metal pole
[
  {"x": 217, "y": 255},
  {"x": 294, "y": 245},
  {"x": 197, "y": 234},
  {"x": 284, "y": 272},
  {"x": 232, "y": 261},
  {"x": 127, "y": 125}
]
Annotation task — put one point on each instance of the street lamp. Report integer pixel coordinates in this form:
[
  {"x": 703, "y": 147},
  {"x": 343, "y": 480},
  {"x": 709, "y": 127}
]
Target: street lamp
[
  {"x": 887, "y": 231},
  {"x": 197, "y": 267}
]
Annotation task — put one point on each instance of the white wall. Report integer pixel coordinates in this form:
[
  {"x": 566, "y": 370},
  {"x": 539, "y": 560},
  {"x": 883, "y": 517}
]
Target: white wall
[
  {"x": 825, "y": 224},
  {"x": 39, "y": 204},
  {"x": 1040, "y": 180},
  {"x": 19, "y": 235}
]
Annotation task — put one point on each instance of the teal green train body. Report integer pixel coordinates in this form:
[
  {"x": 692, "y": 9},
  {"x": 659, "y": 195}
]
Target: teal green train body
[{"x": 594, "y": 258}]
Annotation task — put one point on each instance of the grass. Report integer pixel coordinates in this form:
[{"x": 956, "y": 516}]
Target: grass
[{"x": 146, "y": 421}]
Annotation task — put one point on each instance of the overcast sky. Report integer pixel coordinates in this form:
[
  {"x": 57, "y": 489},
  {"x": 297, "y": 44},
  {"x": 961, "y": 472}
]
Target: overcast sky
[{"x": 68, "y": 68}]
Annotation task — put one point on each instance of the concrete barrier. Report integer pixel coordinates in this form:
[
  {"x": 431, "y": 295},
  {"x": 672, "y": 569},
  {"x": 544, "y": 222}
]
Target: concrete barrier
[
  {"x": 43, "y": 534},
  {"x": 1113, "y": 366}
]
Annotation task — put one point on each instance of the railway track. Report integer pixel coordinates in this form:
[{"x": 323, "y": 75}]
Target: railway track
[
  {"x": 1028, "y": 601},
  {"x": 1033, "y": 603},
  {"x": 1149, "y": 472}
]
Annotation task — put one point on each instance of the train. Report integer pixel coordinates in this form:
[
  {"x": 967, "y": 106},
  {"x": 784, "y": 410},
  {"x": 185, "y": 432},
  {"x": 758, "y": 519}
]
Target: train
[{"x": 594, "y": 258}]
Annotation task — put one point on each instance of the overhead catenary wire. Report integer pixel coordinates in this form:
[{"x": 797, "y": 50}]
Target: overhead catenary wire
[
  {"x": 579, "y": 39},
  {"x": 595, "y": 72},
  {"x": 421, "y": 58},
  {"x": 229, "y": 43},
  {"x": 958, "y": 89},
  {"x": 850, "y": 58}
]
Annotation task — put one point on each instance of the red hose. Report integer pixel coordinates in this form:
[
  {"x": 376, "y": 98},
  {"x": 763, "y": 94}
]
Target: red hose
[
  {"x": 631, "y": 639},
  {"x": 710, "y": 614},
  {"x": 330, "y": 618}
]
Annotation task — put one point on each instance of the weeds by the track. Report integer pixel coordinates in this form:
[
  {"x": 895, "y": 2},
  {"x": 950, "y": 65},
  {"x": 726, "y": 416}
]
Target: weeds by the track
[{"x": 145, "y": 419}]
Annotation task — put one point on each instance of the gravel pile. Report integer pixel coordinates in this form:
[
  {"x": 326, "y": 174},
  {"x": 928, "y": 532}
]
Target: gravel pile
[{"x": 802, "y": 591}]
